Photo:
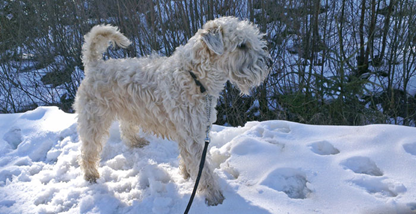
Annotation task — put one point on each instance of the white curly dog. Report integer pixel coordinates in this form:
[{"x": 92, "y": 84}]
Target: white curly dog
[{"x": 166, "y": 96}]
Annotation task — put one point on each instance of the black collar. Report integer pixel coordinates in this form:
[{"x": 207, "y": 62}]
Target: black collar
[{"x": 197, "y": 82}]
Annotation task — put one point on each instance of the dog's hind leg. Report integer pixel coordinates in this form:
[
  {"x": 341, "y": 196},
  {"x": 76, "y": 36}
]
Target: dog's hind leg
[
  {"x": 93, "y": 128},
  {"x": 130, "y": 135}
]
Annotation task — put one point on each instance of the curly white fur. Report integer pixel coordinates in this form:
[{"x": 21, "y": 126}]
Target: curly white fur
[{"x": 158, "y": 95}]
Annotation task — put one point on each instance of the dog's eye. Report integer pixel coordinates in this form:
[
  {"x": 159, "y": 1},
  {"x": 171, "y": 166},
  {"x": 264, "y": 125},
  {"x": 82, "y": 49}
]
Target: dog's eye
[{"x": 242, "y": 46}]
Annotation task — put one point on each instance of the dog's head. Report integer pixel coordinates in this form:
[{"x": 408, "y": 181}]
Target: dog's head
[{"x": 239, "y": 49}]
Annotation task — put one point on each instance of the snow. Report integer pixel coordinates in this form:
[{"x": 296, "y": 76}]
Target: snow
[{"x": 264, "y": 167}]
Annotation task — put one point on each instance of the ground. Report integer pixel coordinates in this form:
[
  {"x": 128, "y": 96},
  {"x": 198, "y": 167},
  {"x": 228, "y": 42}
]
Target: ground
[{"x": 264, "y": 167}]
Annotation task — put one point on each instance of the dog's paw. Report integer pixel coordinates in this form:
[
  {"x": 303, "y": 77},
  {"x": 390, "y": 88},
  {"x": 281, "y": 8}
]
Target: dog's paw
[
  {"x": 92, "y": 177},
  {"x": 136, "y": 142},
  {"x": 139, "y": 142},
  {"x": 214, "y": 199}
]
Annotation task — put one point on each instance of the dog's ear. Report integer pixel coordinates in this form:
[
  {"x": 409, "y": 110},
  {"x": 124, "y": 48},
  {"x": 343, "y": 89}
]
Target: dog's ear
[{"x": 213, "y": 39}]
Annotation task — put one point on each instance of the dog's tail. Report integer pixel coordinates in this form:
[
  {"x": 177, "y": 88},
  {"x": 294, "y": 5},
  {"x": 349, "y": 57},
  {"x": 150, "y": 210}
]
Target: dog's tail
[{"x": 97, "y": 42}]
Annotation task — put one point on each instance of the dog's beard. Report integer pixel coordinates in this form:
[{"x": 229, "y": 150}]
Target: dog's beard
[{"x": 248, "y": 72}]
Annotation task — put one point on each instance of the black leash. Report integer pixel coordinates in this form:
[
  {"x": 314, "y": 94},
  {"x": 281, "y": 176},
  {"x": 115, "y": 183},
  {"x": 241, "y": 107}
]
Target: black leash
[
  {"x": 207, "y": 140},
  {"x": 201, "y": 167}
]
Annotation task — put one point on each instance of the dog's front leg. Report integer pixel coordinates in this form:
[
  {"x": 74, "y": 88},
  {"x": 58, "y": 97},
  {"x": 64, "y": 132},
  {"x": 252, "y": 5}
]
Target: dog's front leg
[{"x": 191, "y": 153}]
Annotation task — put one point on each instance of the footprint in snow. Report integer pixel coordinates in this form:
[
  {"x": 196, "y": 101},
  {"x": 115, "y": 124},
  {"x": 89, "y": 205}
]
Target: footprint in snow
[
  {"x": 412, "y": 206},
  {"x": 323, "y": 148},
  {"x": 45, "y": 197},
  {"x": 288, "y": 180},
  {"x": 269, "y": 134},
  {"x": 362, "y": 165},
  {"x": 13, "y": 137},
  {"x": 379, "y": 187},
  {"x": 410, "y": 148},
  {"x": 275, "y": 142},
  {"x": 7, "y": 203},
  {"x": 280, "y": 126},
  {"x": 270, "y": 129}
]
